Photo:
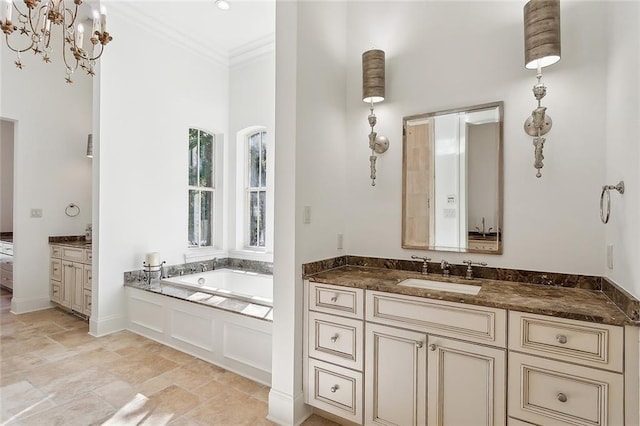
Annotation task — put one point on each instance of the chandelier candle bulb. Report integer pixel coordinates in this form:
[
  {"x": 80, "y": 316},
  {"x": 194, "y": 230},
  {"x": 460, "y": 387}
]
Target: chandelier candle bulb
[
  {"x": 9, "y": 9},
  {"x": 96, "y": 23},
  {"x": 79, "y": 36},
  {"x": 103, "y": 19}
]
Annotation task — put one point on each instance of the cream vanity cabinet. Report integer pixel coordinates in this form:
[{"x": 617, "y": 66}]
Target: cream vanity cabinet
[
  {"x": 411, "y": 348},
  {"x": 567, "y": 372},
  {"x": 6, "y": 264},
  {"x": 433, "y": 362},
  {"x": 70, "y": 277}
]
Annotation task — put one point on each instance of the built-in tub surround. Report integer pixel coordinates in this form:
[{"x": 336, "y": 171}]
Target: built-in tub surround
[{"x": 580, "y": 297}]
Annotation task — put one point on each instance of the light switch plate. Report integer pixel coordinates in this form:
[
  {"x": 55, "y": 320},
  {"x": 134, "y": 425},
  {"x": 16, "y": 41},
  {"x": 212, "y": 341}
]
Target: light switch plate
[
  {"x": 36, "y": 213},
  {"x": 306, "y": 215},
  {"x": 610, "y": 256}
]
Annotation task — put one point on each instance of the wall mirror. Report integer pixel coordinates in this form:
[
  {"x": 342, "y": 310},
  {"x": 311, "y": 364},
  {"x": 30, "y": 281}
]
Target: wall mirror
[{"x": 452, "y": 180}]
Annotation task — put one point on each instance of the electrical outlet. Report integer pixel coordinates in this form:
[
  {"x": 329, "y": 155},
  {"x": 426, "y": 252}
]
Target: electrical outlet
[
  {"x": 36, "y": 213},
  {"x": 610, "y": 256},
  {"x": 340, "y": 241}
]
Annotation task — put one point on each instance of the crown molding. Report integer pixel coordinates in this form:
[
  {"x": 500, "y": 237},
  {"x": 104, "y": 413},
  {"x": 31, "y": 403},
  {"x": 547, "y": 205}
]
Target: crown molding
[
  {"x": 167, "y": 30},
  {"x": 252, "y": 50}
]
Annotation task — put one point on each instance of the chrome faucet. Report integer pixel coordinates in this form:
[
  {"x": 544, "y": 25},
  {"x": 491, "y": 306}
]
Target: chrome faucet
[
  {"x": 425, "y": 263},
  {"x": 445, "y": 268},
  {"x": 484, "y": 234},
  {"x": 203, "y": 267},
  {"x": 469, "y": 269}
]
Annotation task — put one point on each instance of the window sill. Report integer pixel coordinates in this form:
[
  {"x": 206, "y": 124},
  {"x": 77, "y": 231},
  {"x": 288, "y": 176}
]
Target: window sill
[
  {"x": 251, "y": 255},
  {"x": 204, "y": 253}
]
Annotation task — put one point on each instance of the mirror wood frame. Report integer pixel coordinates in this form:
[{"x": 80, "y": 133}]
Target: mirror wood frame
[{"x": 498, "y": 240}]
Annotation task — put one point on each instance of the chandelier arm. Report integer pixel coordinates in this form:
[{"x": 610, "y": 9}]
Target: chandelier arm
[
  {"x": 6, "y": 36},
  {"x": 74, "y": 15},
  {"x": 95, "y": 58}
]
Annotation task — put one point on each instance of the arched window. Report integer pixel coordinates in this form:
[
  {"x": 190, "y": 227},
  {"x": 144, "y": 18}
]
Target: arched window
[{"x": 256, "y": 190}]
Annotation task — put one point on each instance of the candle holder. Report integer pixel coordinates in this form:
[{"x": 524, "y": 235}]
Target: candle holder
[{"x": 151, "y": 272}]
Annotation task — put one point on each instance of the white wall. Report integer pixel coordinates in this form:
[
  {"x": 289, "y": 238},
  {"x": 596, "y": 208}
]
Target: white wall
[
  {"x": 310, "y": 171},
  {"x": 6, "y": 176},
  {"x": 251, "y": 103},
  {"x": 146, "y": 106},
  {"x": 621, "y": 139},
  {"x": 443, "y": 55},
  {"x": 52, "y": 120}
]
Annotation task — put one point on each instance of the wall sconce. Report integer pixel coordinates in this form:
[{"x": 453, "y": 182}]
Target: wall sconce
[
  {"x": 541, "y": 49},
  {"x": 373, "y": 92},
  {"x": 90, "y": 146}
]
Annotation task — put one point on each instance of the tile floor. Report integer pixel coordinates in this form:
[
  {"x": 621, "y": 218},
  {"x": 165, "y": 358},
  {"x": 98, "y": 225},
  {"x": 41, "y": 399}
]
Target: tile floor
[{"x": 53, "y": 373}]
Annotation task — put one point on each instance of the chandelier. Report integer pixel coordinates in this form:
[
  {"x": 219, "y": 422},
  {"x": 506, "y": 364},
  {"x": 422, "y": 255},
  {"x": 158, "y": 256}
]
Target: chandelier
[{"x": 32, "y": 30}]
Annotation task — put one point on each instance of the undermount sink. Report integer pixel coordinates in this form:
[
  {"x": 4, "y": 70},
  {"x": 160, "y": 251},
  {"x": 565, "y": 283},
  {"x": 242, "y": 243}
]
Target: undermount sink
[{"x": 441, "y": 286}]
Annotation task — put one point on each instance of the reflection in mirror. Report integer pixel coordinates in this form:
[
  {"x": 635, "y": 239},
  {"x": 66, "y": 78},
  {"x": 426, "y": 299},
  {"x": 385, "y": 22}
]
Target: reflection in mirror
[{"x": 452, "y": 180}]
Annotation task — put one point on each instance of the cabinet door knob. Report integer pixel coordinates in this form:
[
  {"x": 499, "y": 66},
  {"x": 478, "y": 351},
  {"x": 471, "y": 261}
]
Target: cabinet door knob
[
  {"x": 562, "y": 397},
  {"x": 419, "y": 344},
  {"x": 334, "y": 338},
  {"x": 432, "y": 347},
  {"x": 334, "y": 388},
  {"x": 561, "y": 338},
  {"x": 334, "y": 299}
]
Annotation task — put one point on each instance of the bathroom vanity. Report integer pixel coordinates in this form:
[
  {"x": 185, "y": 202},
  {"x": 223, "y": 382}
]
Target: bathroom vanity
[
  {"x": 381, "y": 353},
  {"x": 70, "y": 269},
  {"x": 6, "y": 263}
]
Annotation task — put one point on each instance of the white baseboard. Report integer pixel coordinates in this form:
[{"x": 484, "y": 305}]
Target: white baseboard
[
  {"x": 287, "y": 410},
  {"x": 99, "y": 327},
  {"x": 22, "y": 306}
]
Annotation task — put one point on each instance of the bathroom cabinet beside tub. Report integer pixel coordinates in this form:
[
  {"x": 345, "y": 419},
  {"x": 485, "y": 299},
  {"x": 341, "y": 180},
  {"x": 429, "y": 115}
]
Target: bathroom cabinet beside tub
[
  {"x": 70, "y": 269},
  {"x": 376, "y": 356}
]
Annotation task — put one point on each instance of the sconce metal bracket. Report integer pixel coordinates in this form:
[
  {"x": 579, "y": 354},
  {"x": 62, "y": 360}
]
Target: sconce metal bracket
[
  {"x": 380, "y": 145},
  {"x": 532, "y": 130}
]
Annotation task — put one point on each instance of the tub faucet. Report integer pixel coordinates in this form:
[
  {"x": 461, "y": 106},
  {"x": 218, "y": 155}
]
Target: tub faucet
[
  {"x": 203, "y": 267},
  {"x": 425, "y": 263},
  {"x": 445, "y": 268}
]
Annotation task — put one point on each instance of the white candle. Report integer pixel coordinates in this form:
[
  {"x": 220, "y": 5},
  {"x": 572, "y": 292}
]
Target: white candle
[
  {"x": 153, "y": 259},
  {"x": 96, "y": 23},
  {"x": 79, "y": 36},
  {"x": 9, "y": 11},
  {"x": 103, "y": 19}
]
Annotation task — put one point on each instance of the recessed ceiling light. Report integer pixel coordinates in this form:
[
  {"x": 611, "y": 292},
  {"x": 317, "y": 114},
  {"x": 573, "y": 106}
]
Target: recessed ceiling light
[{"x": 222, "y": 4}]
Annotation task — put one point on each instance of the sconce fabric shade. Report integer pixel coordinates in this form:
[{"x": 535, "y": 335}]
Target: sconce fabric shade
[
  {"x": 541, "y": 33},
  {"x": 373, "y": 76},
  {"x": 90, "y": 146}
]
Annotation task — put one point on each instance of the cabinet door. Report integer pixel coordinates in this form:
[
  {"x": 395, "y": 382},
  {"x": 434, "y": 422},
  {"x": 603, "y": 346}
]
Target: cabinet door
[
  {"x": 68, "y": 283},
  {"x": 77, "y": 300},
  {"x": 395, "y": 368},
  {"x": 86, "y": 277},
  {"x": 466, "y": 383}
]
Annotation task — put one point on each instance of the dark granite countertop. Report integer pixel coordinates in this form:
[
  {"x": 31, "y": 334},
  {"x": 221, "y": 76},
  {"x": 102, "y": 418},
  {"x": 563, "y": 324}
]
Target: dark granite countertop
[
  {"x": 6, "y": 237},
  {"x": 71, "y": 241},
  {"x": 572, "y": 303}
]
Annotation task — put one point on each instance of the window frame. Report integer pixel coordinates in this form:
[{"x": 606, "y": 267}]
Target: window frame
[
  {"x": 200, "y": 189},
  {"x": 248, "y": 189}
]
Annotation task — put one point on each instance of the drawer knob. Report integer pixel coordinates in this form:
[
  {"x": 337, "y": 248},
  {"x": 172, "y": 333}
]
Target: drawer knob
[
  {"x": 561, "y": 338},
  {"x": 334, "y": 388},
  {"x": 334, "y": 299},
  {"x": 334, "y": 338},
  {"x": 562, "y": 397},
  {"x": 432, "y": 347}
]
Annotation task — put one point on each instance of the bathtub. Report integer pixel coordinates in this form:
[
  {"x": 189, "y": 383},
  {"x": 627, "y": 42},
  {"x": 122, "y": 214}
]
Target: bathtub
[{"x": 243, "y": 285}]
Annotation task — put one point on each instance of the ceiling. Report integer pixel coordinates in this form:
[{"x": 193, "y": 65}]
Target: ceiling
[{"x": 201, "y": 26}]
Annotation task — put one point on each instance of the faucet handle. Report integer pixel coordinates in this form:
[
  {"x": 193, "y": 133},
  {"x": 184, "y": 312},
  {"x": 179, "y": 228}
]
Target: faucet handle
[
  {"x": 469, "y": 269},
  {"x": 425, "y": 263}
]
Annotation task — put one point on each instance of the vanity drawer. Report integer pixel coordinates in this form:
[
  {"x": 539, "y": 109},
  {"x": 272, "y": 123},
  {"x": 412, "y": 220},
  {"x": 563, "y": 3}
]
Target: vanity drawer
[
  {"x": 335, "y": 339},
  {"x": 332, "y": 299},
  {"x": 86, "y": 277},
  {"x": 56, "y": 251},
  {"x": 88, "y": 255},
  {"x": 548, "y": 392},
  {"x": 72, "y": 254},
  {"x": 596, "y": 345},
  {"x": 336, "y": 390},
  {"x": 473, "y": 323},
  {"x": 56, "y": 291},
  {"x": 55, "y": 269}
]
